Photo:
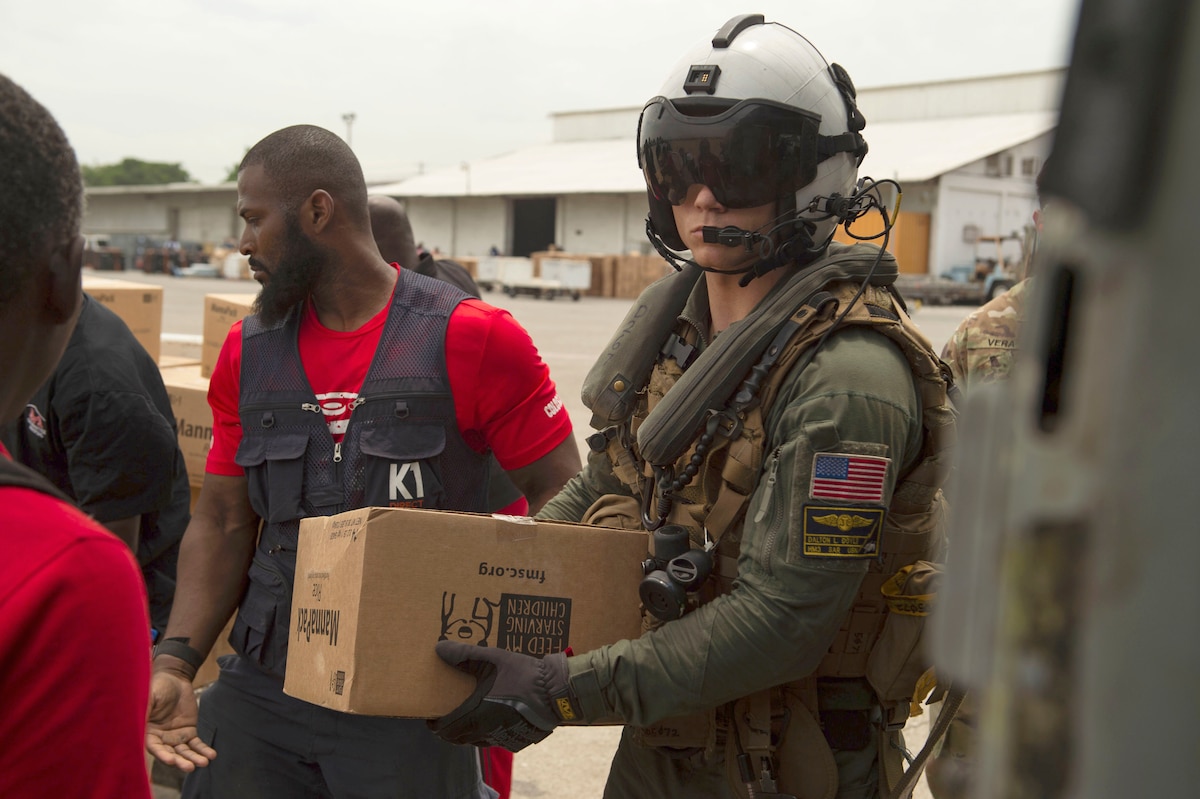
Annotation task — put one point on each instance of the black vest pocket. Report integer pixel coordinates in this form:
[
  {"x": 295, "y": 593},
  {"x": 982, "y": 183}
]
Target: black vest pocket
[
  {"x": 260, "y": 631},
  {"x": 274, "y": 467},
  {"x": 400, "y": 465}
]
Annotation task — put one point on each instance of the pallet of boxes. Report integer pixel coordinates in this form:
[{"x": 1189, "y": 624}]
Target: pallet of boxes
[{"x": 591, "y": 275}]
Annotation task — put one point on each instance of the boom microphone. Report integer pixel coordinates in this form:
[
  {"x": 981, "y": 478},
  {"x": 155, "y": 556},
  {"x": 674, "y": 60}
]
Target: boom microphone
[{"x": 732, "y": 236}]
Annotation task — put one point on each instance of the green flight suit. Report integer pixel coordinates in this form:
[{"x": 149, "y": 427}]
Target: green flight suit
[{"x": 777, "y": 623}]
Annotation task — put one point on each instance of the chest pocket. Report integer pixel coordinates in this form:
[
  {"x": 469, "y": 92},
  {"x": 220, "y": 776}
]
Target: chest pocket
[
  {"x": 401, "y": 466},
  {"x": 275, "y": 473}
]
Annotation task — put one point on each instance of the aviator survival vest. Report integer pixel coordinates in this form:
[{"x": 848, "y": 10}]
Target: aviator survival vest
[
  {"x": 402, "y": 447},
  {"x": 726, "y": 472}
]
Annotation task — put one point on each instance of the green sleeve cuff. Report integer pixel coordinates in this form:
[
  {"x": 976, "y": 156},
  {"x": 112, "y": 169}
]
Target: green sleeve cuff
[{"x": 586, "y": 688}]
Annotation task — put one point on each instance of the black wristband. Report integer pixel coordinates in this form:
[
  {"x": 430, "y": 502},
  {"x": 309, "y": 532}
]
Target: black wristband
[{"x": 178, "y": 648}]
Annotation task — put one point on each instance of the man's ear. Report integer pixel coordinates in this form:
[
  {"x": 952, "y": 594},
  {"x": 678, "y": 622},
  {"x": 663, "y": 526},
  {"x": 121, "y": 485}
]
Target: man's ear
[
  {"x": 317, "y": 212},
  {"x": 66, "y": 289}
]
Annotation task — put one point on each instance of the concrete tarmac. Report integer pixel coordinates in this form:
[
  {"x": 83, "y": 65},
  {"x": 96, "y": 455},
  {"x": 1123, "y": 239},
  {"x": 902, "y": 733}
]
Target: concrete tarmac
[{"x": 569, "y": 335}]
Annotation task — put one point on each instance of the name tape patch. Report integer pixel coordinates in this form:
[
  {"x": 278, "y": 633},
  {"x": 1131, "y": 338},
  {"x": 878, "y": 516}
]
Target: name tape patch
[{"x": 841, "y": 532}]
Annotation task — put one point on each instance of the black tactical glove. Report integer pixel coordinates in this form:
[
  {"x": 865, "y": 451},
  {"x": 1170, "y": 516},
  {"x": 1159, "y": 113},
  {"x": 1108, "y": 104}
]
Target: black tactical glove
[{"x": 518, "y": 699}]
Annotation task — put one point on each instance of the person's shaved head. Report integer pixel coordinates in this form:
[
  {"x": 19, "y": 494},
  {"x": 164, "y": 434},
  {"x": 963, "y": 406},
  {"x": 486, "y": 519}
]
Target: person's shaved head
[
  {"x": 41, "y": 251},
  {"x": 304, "y": 158},
  {"x": 42, "y": 202},
  {"x": 392, "y": 231}
]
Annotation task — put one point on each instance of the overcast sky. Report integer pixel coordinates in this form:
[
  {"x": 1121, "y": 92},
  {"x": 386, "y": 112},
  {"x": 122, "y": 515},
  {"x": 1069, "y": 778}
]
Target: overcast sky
[{"x": 439, "y": 82}]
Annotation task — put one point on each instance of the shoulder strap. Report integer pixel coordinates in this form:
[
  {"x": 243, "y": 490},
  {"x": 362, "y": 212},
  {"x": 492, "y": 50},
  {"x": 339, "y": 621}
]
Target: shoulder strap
[
  {"x": 14, "y": 475},
  {"x": 610, "y": 390},
  {"x": 711, "y": 380}
]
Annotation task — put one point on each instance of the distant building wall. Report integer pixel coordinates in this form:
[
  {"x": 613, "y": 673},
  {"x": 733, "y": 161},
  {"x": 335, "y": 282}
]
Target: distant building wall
[
  {"x": 996, "y": 196},
  {"x": 207, "y": 217},
  {"x": 602, "y": 223},
  {"x": 126, "y": 213},
  {"x": 479, "y": 223},
  {"x": 432, "y": 220},
  {"x": 584, "y": 223}
]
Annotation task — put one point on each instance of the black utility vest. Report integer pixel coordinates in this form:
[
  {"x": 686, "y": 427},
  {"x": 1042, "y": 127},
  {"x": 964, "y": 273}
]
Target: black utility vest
[{"x": 402, "y": 447}]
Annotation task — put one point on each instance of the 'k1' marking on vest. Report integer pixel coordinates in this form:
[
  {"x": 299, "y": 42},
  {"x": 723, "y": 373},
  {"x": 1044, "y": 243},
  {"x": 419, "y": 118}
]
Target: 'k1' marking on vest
[{"x": 397, "y": 474}]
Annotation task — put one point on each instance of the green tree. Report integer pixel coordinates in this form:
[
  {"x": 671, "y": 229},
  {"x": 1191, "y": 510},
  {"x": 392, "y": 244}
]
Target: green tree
[
  {"x": 231, "y": 176},
  {"x": 133, "y": 172}
]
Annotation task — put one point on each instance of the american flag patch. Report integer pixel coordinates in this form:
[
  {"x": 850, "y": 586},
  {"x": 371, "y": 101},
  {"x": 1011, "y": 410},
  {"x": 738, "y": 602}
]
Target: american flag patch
[{"x": 854, "y": 478}]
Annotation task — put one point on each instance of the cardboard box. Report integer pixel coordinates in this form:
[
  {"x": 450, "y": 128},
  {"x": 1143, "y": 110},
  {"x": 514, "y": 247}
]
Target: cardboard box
[
  {"x": 174, "y": 361},
  {"x": 633, "y": 273},
  {"x": 188, "y": 392},
  {"x": 140, "y": 306},
  {"x": 220, "y": 312},
  {"x": 376, "y": 589}
]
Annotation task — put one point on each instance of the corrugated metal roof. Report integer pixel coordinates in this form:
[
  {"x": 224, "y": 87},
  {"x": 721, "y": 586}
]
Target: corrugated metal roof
[
  {"x": 907, "y": 151},
  {"x": 925, "y": 149},
  {"x": 577, "y": 167}
]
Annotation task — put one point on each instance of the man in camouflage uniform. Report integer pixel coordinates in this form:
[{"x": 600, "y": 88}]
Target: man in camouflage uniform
[{"x": 980, "y": 351}]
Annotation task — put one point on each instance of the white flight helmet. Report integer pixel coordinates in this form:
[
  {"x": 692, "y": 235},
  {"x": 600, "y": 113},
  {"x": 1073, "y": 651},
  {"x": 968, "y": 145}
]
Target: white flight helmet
[{"x": 758, "y": 116}]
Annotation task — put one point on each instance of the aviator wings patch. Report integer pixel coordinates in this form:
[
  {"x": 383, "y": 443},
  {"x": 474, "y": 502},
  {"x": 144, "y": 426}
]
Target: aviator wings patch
[{"x": 836, "y": 532}]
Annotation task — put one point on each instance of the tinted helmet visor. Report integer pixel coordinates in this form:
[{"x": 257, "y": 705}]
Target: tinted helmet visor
[{"x": 748, "y": 155}]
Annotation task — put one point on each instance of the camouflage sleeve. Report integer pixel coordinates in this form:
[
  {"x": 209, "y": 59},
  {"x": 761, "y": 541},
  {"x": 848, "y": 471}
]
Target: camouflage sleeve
[
  {"x": 856, "y": 400},
  {"x": 984, "y": 345},
  {"x": 955, "y": 353}
]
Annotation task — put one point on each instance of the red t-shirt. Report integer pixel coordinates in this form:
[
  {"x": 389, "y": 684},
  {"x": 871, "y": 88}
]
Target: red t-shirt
[
  {"x": 504, "y": 397},
  {"x": 74, "y": 654}
]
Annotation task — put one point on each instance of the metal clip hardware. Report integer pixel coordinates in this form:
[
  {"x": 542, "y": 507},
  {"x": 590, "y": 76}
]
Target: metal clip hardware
[
  {"x": 725, "y": 422},
  {"x": 662, "y": 507}
]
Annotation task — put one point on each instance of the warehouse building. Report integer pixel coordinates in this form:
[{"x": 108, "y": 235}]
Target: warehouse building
[{"x": 965, "y": 151}]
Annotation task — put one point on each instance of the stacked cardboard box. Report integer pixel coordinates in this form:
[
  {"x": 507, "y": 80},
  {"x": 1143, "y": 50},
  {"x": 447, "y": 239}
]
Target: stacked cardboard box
[
  {"x": 469, "y": 262},
  {"x": 174, "y": 361},
  {"x": 220, "y": 312},
  {"x": 635, "y": 272},
  {"x": 140, "y": 306},
  {"x": 602, "y": 268},
  {"x": 620, "y": 276},
  {"x": 188, "y": 392}
]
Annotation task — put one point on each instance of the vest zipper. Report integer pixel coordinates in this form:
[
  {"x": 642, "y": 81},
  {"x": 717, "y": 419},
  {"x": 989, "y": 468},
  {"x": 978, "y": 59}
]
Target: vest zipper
[
  {"x": 337, "y": 445},
  {"x": 311, "y": 407}
]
